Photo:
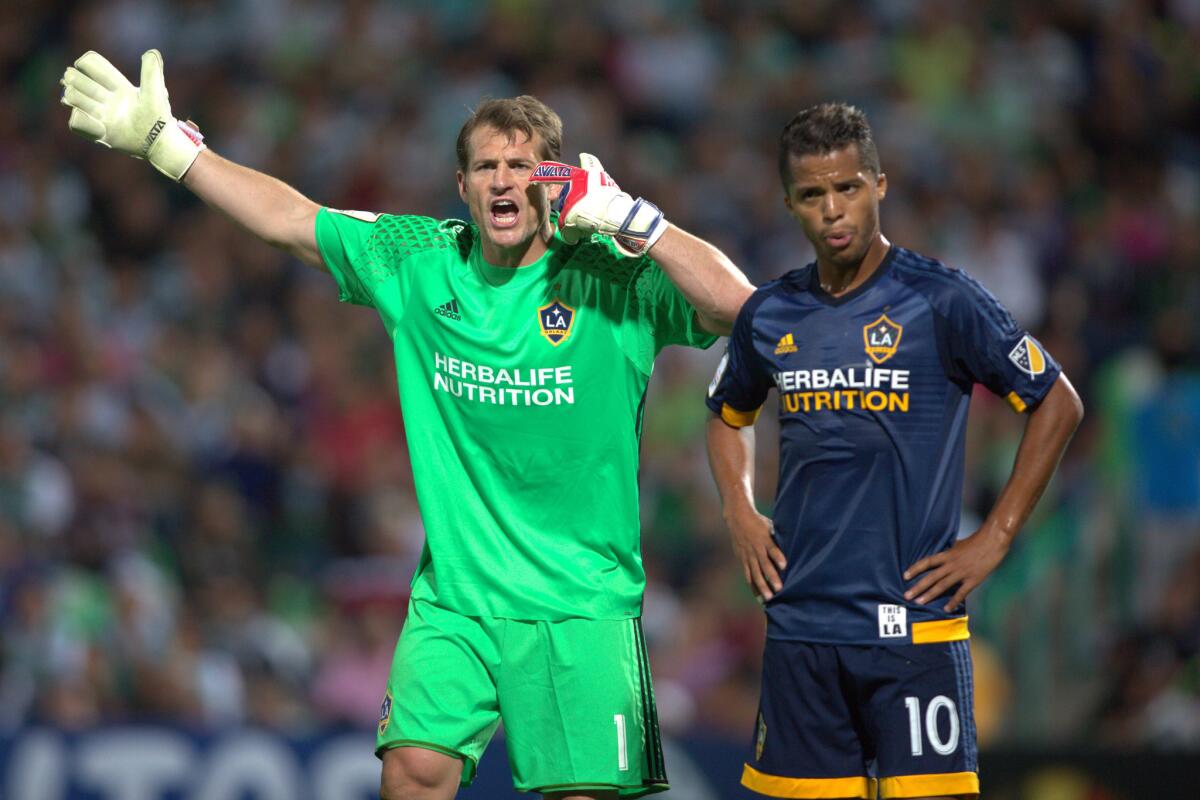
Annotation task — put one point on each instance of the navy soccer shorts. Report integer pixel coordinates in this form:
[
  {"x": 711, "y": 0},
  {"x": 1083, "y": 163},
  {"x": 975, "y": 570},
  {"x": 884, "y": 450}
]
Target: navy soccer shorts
[{"x": 865, "y": 721}]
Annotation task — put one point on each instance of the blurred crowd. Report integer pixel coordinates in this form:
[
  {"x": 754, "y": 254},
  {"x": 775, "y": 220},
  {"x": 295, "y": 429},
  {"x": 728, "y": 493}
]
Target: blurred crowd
[{"x": 206, "y": 508}]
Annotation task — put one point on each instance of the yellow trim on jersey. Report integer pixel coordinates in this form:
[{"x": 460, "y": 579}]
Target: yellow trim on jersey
[
  {"x": 777, "y": 786},
  {"x": 930, "y": 785},
  {"x": 940, "y": 630},
  {"x": 738, "y": 419},
  {"x": 1016, "y": 402}
]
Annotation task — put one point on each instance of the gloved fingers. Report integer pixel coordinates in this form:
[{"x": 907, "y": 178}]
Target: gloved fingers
[
  {"x": 98, "y": 68},
  {"x": 86, "y": 125},
  {"x": 571, "y": 235},
  {"x": 152, "y": 73},
  {"x": 595, "y": 170},
  {"x": 76, "y": 99},
  {"x": 74, "y": 79}
]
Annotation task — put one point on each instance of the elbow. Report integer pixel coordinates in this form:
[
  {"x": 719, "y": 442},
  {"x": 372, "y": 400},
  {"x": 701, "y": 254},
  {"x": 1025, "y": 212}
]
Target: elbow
[
  {"x": 1070, "y": 406},
  {"x": 735, "y": 298}
]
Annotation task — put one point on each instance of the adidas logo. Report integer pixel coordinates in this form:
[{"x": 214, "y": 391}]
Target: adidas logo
[
  {"x": 449, "y": 310},
  {"x": 786, "y": 345}
]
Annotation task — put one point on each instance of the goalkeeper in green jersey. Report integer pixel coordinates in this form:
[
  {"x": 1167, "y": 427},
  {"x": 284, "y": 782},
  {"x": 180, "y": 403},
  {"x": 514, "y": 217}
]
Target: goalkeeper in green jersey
[{"x": 523, "y": 343}]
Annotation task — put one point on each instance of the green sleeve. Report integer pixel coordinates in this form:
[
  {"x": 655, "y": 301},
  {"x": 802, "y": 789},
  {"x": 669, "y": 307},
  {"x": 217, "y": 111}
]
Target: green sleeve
[
  {"x": 344, "y": 239},
  {"x": 666, "y": 315}
]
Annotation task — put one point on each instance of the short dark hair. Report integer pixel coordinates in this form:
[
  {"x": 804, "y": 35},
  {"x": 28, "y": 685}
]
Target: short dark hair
[
  {"x": 822, "y": 129},
  {"x": 526, "y": 114}
]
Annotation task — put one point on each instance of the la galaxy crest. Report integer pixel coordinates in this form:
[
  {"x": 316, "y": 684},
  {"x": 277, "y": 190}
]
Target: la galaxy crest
[
  {"x": 881, "y": 338},
  {"x": 760, "y": 741},
  {"x": 555, "y": 321}
]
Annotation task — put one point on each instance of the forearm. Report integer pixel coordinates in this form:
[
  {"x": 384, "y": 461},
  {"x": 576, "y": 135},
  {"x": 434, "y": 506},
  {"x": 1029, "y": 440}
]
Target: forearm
[
  {"x": 264, "y": 206},
  {"x": 712, "y": 283},
  {"x": 731, "y": 458},
  {"x": 1047, "y": 434}
]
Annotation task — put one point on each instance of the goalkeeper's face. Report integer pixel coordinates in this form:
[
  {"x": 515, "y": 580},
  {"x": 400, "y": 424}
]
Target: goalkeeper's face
[
  {"x": 512, "y": 214},
  {"x": 836, "y": 200}
]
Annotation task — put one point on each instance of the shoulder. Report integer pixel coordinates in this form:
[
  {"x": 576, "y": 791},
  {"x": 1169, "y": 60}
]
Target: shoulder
[
  {"x": 402, "y": 235},
  {"x": 951, "y": 292},
  {"x": 792, "y": 284}
]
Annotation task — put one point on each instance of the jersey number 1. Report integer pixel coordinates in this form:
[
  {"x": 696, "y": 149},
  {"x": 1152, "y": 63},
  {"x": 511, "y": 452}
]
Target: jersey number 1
[
  {"x": 942, "y": 748},
  {"x": 622, "y": 750}
]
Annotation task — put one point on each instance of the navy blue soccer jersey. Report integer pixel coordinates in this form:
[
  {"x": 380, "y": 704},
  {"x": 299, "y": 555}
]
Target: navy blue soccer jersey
[{"x": 873, "y": 389}]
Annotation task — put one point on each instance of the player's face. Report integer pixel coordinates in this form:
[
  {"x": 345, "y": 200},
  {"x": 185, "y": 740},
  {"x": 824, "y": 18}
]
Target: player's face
[
  {"x": 836, "y": 201},
  {"x": 509, "y": 211}
]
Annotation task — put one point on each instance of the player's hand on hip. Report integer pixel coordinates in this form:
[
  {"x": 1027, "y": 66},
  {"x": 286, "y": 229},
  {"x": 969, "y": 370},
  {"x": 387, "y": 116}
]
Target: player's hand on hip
[
  {"x": 592, "y": 202},
  {"x": 136, "y": 120},
  {"x": 754, "y": 543},
  {"x": 965, "y": 565}
]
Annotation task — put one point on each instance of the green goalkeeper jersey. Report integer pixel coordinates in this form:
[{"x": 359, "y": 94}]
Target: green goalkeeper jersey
[{"x": 522, "y": 392}]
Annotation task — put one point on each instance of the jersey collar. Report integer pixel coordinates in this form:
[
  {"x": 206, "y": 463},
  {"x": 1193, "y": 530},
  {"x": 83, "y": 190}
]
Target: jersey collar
[{"x": 814, "y": 281}]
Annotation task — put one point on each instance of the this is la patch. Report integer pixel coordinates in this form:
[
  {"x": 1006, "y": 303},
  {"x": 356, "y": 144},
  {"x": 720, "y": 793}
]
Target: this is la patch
[
  {"x": 1028, "y": 357},
  {"x": 555, "y": 320}
]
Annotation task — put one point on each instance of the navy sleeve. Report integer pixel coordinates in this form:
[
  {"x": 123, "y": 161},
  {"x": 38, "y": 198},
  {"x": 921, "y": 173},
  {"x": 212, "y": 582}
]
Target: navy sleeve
[
  {"x": 984, "y": 344},
  {"x": 740, "y": 385}
]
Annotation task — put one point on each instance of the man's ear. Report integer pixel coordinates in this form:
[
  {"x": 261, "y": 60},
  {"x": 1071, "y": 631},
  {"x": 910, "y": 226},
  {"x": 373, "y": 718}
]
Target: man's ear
[
  {"x": 881, "y": 186},
  {"x": 462, "y": 185}
]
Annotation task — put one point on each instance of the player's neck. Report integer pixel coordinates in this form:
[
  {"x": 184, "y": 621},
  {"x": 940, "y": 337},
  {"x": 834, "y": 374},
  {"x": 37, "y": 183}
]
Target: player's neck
[
  {"x": 838, "y": 279},
  {"x": 521, "y": 255}
]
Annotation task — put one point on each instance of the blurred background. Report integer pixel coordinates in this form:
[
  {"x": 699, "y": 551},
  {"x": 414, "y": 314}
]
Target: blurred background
[{"x": 207, "y": 524}]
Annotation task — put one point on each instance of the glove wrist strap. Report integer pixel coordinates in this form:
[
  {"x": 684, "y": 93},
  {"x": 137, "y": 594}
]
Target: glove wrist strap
[
  {"x": 643, "y": 226},
  {"x": 176, "y": 149}
]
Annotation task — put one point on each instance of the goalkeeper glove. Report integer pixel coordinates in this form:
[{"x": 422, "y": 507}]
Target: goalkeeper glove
[
  {"x": 107, "y": 108},
  {"x": 591, "y": 202}
]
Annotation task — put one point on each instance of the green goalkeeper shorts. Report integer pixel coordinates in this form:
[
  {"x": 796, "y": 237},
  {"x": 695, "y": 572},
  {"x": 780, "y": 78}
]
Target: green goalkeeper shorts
[{"x": 574, "y": 696}]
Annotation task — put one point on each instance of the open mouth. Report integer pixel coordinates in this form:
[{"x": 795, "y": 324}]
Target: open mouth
[
  {"x": 504, "y": 213},
  {"x": 838, "y": 239}
]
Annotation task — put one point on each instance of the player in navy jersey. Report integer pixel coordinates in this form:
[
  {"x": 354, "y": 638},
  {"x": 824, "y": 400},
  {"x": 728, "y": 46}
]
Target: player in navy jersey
[{"x": 873, "y": 351}]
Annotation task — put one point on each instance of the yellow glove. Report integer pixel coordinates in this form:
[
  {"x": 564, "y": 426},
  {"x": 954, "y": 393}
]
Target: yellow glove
[{"x": 107, "y": 108}]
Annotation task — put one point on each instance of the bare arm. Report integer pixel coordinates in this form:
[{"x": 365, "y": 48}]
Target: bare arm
[
  {"x": 731, "y": 457},
  {"x": 264, "y": 206},
  {"x": 970, "y": 560},
  {"x": 712, "y": 283}
]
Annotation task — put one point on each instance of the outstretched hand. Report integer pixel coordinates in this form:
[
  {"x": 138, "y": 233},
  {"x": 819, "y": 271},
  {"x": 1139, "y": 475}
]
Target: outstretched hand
[
  {"x": 136, "y": 120},
  {"x": 762, "y": 560},
  {"x": 966, "y": 565}
]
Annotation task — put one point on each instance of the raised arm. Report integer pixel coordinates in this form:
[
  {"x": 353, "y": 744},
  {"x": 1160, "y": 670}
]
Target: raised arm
[
  {"x": 714, "y": 286},
  {"x": 731, "y": 457},
  {"x": 1047, "y": 433},
  {"x": 265, "y": 206},
  {"x": 137, "y": 120}
]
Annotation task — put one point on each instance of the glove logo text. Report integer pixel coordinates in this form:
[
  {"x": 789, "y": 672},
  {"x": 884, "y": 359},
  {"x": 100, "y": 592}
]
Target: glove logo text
[
  {"x": 547, "y": 170},
  {"x": 155, "y": 130}
]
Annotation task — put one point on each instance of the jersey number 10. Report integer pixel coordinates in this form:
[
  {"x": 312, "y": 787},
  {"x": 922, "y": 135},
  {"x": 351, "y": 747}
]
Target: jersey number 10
[{"x": 940, "y": 746}]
